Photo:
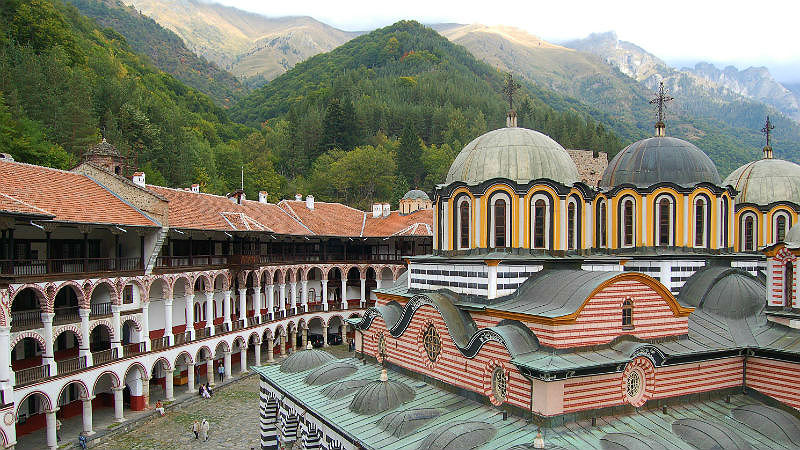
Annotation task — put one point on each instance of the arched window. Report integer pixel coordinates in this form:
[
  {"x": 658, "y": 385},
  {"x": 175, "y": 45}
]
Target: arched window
[
  {"x": 500, "y": 221},
  {"x": 539, "y": 224},
  {"x": 628, "y": 223},
  {"x": 780, "y": 227},
  {"x": 749, "y": 234},
  {"x": 700, "y": 211},
  {"x": 788, "y": 283},
  {"x": 724, "y": 222},
  {"x": 627, "y": 314},
  {"x": 602, "y": 231},
  {"x": 463, "y": 224},
  {"x": 571, "y": 244},
  {"x": 665, "y": 236}
]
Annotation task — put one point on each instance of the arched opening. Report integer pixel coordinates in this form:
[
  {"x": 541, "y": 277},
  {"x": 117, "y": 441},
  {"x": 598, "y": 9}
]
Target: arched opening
[
  {"x": 31, "y": 416},
  {"x": 314, "y": 280},
  {"x": 627, "y": 314},
  {"x": 500, "y": 217},
  {"x": 334, "y": 287},
  {"x": 203, "y": 367},
  {"x": 371, "y": 284},
  {"x": 781, "y": 226},
  {"x": 386, "y": 278},
  {"x": 628, "y": 225},
  {"x": 26, "y": 310},
  {"x": 749, "y": 233},
  {"x": 99, "y": 339},
  {"x": 540, "y": 224},
  {"x": 602, "y": 227},
  {"x": 132, "y": 338},
  {"x": 572, "y": 232},
  {"x": 337, "y": 334},
  {"x": 700, "y": 222},
  {"x": 352, "y": 289},
  {"x": 70, "y": 404},
  {"x": 160, "y": 376},
  {"x": 665, "y": 219},
  {"x": 134, "y": 396},
  {"x": 65, "y": 352},
  {"x": 725, "y": 213},
  {"x": 316, "y": 335},
  {"x": 183, "y": 363},
  {"x": 788, "y": 284},
  {"x": 100, "y": 301},
  {"x": 463, "y": 224},
  {"x": 221, "y": 369},
  {"x": 103, "y": 392},
  {"x": 65, "y": 305},
  {"x": 238, "y": 356},
  {"x": 26, "y": 361}
]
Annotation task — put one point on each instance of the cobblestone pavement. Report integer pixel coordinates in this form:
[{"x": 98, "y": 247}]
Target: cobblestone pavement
[{"x": 232, "y": 413}]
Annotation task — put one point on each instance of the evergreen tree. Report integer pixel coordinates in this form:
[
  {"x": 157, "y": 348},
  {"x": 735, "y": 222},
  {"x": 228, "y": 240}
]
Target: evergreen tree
[{"x": 409, "y": 157}]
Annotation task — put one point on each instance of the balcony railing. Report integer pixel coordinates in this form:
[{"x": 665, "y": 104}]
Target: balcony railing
[
  {"x": 100, "y": 309},
  {"x": 237, "y": 325},
  {"x": 31, "y": 318},
  {"x": 67, "y": 314},
  {"x": 31, "y": 267},
  {"x": 31, "y": 375},
  {"x": 202, "y": 333},
  {"x": 221, "y": 328},
  {"x": 71, "y": 365},
  {"x": 196, "y": 260},
  {"x": 104, "y": 356},
  {"x": 182, "y": 338},
  {"x": 159, "y": 343},
  {"x": 132, "y": 349},
  {"x": 253, "y": 321}
]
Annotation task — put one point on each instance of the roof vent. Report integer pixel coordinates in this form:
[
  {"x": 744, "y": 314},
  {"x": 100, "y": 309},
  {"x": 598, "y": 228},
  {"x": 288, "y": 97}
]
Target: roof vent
[
  {"x": 138, "y": 179},
  {"x": 237, "y": 196},
  {"x": 310, "y": 201},
  {"x": 387, "y": 209},
  {"x": 262, "y": 197},
  {"x": 6, "y": 157},
  {"x": 377, "y": 210},
  {"x": 298, "y": 197},
  {"x": 196, "y": 188}
]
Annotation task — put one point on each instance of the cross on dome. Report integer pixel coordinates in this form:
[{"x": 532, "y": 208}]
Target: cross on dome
[
  {"x": 768, "y": 127},
  {"x": 660, "y": 102}
]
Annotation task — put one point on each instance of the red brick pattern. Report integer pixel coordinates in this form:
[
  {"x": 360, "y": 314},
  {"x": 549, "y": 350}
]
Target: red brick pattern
[{"x": 776, "y": 379}]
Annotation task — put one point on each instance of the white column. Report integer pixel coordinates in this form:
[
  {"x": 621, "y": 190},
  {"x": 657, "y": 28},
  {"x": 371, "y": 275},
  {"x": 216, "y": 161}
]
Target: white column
[
  {"x": 5, "y": 354},
  {"x": 168, "y": 319},
  {"x": 47, "y": 331},
  {"x": 210, "y": 371},
  {"x": 145, "y": 335},
  {"x": 242, "y": 303},
  {"x": 116, "y": 342},
  {"x": 243, "y": 361},
  {"x": 303, "y": 337},
  {"x": 492, "y": 280},
  {"x": 282, "y": 300},
  {"x": 226, "y": 358},
  {"x": 270, "y": 349},
  {"x": 169, "y": 390},
  {"x": 258, "y": 353},
  {"x": 84, "y": 350},
  {"x": 363, "y": 292},
  {"x": 226, "y": 308},
  {"x": 304, "y": 296},
  {"x": 210, "y": 312},
  {"x": 325, "y": 336},
  {"x": 189, "y": 299},
  {"x": 190, "y": 377},
  {"x": 282, "y": 344},
  {"x": 52, "y": 439},
  {"x": 257, "y": 301},
  {"x": 324, "y": 295},
  {"x": 562, "y": 227},
  {"x": 270, "y": 300},
  {"x": 118, "y": 417},
  {"x": 87, "y": 416},
  {"x": 293, "y": 297},
  {"x": 344, "y": 291}
]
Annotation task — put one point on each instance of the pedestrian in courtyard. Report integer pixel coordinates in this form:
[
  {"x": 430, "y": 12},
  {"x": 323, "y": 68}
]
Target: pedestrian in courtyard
[
  {"x": 58, "y": 430},
  {"x": 82, "y": 440},
  {"x": 196, "y": 429},
  {"x": 160, "y": 408},
  {"x": 221, "y": 371},
  {"x": 204, "y": 426}
]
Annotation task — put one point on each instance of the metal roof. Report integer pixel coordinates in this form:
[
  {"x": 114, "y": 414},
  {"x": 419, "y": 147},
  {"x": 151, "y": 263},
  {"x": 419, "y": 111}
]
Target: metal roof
[{"x": 766, "y": 181}]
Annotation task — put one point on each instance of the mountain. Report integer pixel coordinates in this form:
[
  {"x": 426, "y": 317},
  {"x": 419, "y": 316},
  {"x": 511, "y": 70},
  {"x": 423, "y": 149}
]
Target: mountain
[
  {"x": 251, "y": 46},
  {"x": 165, "y": 49},
  {"x": 754, "y": 82},
  {"x": 628, "y": 57}
]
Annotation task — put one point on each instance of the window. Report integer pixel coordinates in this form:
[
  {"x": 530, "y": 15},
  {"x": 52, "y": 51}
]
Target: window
[
  {"x": 571, "y": 226},
  {"x": 749, "y": 233},
  {"x": 463, "y": 225},
  {"x": 432, "y": 343},
  {"x": 724, "y": 222},
  {"x": 788, "y": 284},
  {"x": 627, "y": 223},
  {"x": 700, "y": 223},
  {"x": 499, "y": 384},
  {"x": 780, "y": 228},
  {"x": 539, "y": 218},
  {"x": 603, "y": 221},
  {"x": 633, "y": 385},
  {"x": 381, "y": 345},
  {"x": 500, "y": 218},
  {"x": 627, "y": 314},
  {"x": 664, "y": 221}
]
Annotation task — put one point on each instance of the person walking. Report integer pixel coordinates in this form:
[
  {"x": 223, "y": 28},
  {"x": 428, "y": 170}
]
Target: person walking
[
  {"x": 221, "y": 371},
  {"x": 196, "y": 429},
  {"x": 204, "y": 426},
  {"x": 58, "y": 430}
]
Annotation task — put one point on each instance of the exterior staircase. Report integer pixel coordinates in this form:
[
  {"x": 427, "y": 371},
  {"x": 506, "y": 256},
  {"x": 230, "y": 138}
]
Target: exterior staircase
[{"x": 162, "y": 235}]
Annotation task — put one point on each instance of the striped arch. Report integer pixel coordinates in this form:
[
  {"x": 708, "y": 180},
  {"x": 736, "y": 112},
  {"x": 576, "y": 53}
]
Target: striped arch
[
  {"x": 41, "y": 295},
  {"x": 163, "y": 360},
  {"x": 200, "y": 351},
  {"x": 166, "y": 287},
  {"x": 301, "y": 324},
  {"x": 488, "y": 374},
  {"x": 280, "y": 330},
  {"x": 142, "y": 370},
  {"x": 29, "y": 334},
  {"x": 321, "y": 320},
  {"x": 132, "y": 318},
  {"x": 187, "y": 357},
  {"x": 265, "y": 274},
  {"x": 226, "y": 283},
  {"x": 114, "y": 379},
  {"x": 225, "y": 347},
  {"x": 74, "y": 328},
  {"x": 209, "y": 285},
  {"x": 397, "y": 271},
  {"x": 47, "y": 400},
  {"x": 241, "y": 343},
  {"x": 257, "y": 337},
  {"x": 77, "y": 288},
  {"x": 112, "y": 288},
  {"x": 104, "y": 323},
  {"x": 80, "y": 383},
  {"x": 647, "y": 373},
  {"x": 188, "y": 284}
]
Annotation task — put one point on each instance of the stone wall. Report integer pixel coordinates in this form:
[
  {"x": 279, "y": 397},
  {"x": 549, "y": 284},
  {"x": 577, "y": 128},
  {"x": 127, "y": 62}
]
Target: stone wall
[{"x": 590, "y": 167}]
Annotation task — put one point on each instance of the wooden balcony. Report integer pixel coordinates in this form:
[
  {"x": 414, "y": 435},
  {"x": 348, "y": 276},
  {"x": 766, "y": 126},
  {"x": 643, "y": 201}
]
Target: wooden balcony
[
  {"x": 104, "y": 356},
  {"x": 31, "y": 375},
  {"x": 71, "y": 365},
  {"x": 40, "y": 267}
]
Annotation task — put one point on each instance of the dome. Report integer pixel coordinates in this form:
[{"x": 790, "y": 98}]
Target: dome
[
  {"x": 517, "y": 154},
  {"x": 724, "y": 292},
  {"x": 793, "y": 236},
  {"x": 766, "y": 181},
  {"x": 104, "y": 148},
  {"x": 379, "y": 396},
  {"x": 330, "y": 372},
  {"x": 660, "y": 159},
  {"x": 305, "y": 360},
  {"x": 459, "y": 436},
  {"x": 416, "y": 194}
]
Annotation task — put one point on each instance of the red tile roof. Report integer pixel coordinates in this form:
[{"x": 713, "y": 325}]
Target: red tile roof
[
  {"x": 67, "y": 196},
  {"x": 326, "y": 219},
  {"x": 11, "y": 205},
  {"x": 418, "y": 223}
]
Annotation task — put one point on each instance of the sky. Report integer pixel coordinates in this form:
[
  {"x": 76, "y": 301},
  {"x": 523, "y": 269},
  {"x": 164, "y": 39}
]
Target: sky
[{"x": 681, "y": 32}]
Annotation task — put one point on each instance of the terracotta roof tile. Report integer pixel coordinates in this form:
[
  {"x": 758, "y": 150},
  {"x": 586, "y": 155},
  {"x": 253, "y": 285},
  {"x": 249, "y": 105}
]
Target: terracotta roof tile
[
  {"x": 9, "y": 204},
  {"x": 326, "y": 219},
  {"x": 418, "y": 223},
  {"x": 68, "y": 196}
]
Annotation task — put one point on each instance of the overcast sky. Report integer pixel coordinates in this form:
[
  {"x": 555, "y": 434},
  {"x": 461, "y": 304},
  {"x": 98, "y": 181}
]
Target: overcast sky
[{"x": 679, "y": 31}]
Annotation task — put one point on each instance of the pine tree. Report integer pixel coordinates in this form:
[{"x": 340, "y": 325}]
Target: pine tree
[{"x": 409, "y": 157}]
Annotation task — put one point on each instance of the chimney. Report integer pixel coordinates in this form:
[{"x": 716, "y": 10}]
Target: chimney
[
  {"x": 262, "y": 197},
  {"x": 310, "y": 201},
  {"x": 511, "y": 119},
  {"x": 196, "y": 188},
  {"x": 298, "y": 197},
  {"x": 377, "y": 209},
  {"x": 138, "y": 179},
  {"x": 237, "y": 196},
  {"x": 387, "y": 209}
]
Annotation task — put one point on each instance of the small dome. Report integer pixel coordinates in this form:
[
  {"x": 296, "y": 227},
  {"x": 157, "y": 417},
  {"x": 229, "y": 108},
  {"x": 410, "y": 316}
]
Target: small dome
[
  {"x": 709, "y": 435},
  {"x": 416, "y": 194},
  {"x": 780, "y": 425},
  {"x": 343, "y": 388},
  {"x": 724, "y": 292},
  {"x": 660, "y": 159},
  {"x": 305, "y": 360},
  {"x": 517, "y": 154},
  {"x": 766, "y": 181},
  {"x": 403, "y": 423},
  {"x": 380, "y": 396},
  {"x": 104, "y": 148},
  {"x": 330, "y": 372},
  {"x": 793, "y": 236},
  {"x": 460, "y": 436}
]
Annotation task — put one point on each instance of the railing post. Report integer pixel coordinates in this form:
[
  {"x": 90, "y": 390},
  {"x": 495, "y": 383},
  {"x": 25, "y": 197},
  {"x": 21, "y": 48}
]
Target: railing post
[
  {"x": 84, "y": 349},
  {"x": 47, "y": 354},
  {"x": 210, "y": 312}
]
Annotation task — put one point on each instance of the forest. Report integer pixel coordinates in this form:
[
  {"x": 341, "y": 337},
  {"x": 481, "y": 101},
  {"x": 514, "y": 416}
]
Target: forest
[{"x": 386, "y": 112}]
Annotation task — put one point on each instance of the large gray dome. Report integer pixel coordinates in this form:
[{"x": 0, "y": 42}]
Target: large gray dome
[
  {"x": 660, "y": 159},
  {"x": 305, "y": 359},
  {"x": 517, "y": 154},
  {"x": 766, "y": 181}
]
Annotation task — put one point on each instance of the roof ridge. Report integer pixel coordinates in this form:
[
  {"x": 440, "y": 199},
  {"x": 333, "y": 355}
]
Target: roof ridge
[
  {"x": 26, "y": 204},
  {"x": 42, "y": 167},
  {"x": 124, "y": 201},
  {"x": 363, "y": 225},
  {"x": 293, "y": 215}
]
